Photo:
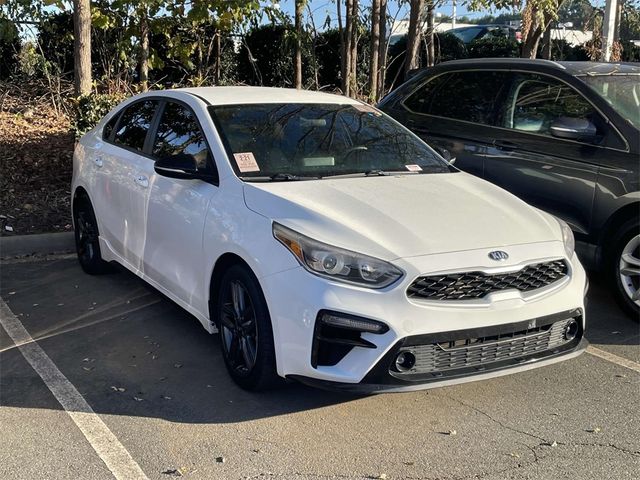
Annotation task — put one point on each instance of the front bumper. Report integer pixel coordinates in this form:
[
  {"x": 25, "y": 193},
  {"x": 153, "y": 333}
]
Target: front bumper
[
  {"x": 295, "y": 297},
  {"x": 478, "y": 362}
]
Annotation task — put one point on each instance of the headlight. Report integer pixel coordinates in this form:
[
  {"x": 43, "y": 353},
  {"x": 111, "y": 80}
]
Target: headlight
[
  {"x": 567, "y": 238},
  {"x": 336, "y": 263}
]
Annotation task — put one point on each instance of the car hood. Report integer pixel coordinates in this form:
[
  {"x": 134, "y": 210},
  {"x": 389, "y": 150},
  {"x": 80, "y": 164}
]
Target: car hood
[{"x": 400, "y": 216}]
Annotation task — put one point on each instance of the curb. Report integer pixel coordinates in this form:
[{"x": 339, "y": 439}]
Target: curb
[{"x": 40, "y": 244}]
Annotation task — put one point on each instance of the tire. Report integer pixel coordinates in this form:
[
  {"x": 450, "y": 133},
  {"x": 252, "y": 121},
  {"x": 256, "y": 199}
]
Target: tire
[
  {"x": 623, "y": 268},
  {"x": 86, "y": 236},
  {"x": 246, "y": 336}
]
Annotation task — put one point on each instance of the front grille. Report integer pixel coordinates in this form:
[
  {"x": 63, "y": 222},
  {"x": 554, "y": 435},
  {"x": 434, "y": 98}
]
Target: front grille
[
  {"x": 474, "y": 285},
  {"x": 460, "y": 353}
]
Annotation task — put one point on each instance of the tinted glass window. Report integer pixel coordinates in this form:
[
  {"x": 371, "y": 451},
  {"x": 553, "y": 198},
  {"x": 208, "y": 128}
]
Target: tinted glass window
[
  {"x": 108, "y": 128},
  {"x": 536, "y": 102},
  {"x": 134, "y": 124},
  {"x": 471, "y": 96},
  {"x": 318, "y": 140},
  {"x": 178, "y": 133}
]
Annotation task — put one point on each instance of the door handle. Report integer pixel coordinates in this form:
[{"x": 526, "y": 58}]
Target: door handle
[
  {"x": 504, "y": 145},
  {"x": 141, "y": 180},
  {"x": 98, "y": 161}
]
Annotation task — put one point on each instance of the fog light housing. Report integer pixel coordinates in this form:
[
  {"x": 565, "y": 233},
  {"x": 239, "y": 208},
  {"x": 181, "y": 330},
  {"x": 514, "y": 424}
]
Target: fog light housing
[
  {"x": 336, "y": 334},
  {"x": 405, "y": 361},
  {"x": 571, "y": 330}
]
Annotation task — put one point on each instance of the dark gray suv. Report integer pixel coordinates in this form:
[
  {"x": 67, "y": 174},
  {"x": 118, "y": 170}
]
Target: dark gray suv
[{"x": 563, "y": 136}]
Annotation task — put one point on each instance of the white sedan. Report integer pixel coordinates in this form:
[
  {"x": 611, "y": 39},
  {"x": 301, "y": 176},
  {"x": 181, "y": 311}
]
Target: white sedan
[{"x": 325, "y": 241}]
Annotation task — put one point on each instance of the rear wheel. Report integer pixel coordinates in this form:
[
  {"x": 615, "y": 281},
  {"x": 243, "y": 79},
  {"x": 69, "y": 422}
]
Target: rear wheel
[
  {"x": 246, "y": 336},
  {"x": 624, "y": 268},
  {"x": 86, "y": 236}
]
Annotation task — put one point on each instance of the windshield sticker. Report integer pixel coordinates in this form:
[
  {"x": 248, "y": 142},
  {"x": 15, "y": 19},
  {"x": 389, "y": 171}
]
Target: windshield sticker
[
  {"x": 413, "y": 168},
  {"x": 246, "y": 162},
  {"x": 362, "y": 107}
]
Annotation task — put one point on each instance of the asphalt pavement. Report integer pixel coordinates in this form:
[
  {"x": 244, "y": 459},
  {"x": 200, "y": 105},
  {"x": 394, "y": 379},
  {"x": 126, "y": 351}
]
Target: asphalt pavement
[{"x": 145, "y": 387}]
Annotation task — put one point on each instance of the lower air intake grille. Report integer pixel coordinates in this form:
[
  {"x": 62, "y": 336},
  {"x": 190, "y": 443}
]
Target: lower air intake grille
[
  {"x": 477, "y": 352},
  {"x": 473, "y": 285}
]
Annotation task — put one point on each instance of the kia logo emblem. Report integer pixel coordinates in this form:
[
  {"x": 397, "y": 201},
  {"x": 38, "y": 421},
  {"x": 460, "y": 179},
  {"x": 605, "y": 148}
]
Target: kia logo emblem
[{"x": 498, "y": 255}]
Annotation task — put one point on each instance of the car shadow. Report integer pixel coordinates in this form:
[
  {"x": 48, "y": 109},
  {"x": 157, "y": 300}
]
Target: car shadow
[{"x": 130, "y": 351}]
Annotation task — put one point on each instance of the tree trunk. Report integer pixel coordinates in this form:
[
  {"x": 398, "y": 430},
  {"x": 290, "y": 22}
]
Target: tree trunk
[
  {"x": 144, "y": 49},
  {"x": 218, "y": 65},
  {"x": 346, "y": 49},
  {"x": 350, "y": 47},
  {"x": 546, "y": 43},
  {"x": 298, "y": 22},
  {"x": 431, "y": 51},
  {"x": 343, "y": 45},
  {"x": 82, "y": 46},
  {"x": 412, "y": 57},
  {"x": 373, "y": 50},
  {"x": 354, "y": 48},
  {"x": 382, "y": 49}
]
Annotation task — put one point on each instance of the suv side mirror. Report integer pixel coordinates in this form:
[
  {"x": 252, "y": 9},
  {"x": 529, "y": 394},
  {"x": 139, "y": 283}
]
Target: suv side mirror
[
  {"x": 182, "y": 166},
  {"x": 574, "y": 129}
]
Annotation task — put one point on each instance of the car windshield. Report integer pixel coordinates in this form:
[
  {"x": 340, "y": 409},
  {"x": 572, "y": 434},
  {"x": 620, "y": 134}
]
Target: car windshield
[
  {"x": 622, "y": 91},
  {"x": 290, "y": 141}
]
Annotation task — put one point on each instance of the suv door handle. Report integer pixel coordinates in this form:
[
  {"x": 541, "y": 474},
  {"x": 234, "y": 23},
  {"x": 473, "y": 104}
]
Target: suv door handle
[
  {"x": 142, "y": 181},
  {"x": 504, "y": 145},
  {"x": 98, "y": 161}
]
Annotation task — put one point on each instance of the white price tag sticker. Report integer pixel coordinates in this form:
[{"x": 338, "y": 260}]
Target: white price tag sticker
[
  {"x": 246, "y": 162},
  {"x": 413, "y": 168}
]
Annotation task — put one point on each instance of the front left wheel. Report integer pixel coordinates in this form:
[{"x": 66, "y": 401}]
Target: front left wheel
[
  {"x": 246, "y": 336},
  {"x": 87, "y": 239}
]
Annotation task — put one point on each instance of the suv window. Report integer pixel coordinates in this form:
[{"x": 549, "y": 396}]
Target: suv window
[
  {"x": 470, "y": 96},
  {"x": 179, "y": 133},
  {"x": 536, "y": 102},
  {"x": 134, "y": 125}
]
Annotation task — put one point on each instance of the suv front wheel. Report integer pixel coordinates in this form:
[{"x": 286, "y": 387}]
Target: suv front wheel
[{"x": 624, "y": 267}]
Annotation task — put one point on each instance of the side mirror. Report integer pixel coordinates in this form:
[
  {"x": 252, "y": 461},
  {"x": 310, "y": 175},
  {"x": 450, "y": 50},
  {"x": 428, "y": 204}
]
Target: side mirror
[
  {"x": 574, "y": 129},
  {"x": 182, "y": 165}
]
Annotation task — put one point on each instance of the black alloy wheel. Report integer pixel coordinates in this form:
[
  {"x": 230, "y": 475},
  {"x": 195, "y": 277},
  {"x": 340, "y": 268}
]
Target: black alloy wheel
[
  {"x": 246, "y": 336},
  {"x": 87, "y": 239}
]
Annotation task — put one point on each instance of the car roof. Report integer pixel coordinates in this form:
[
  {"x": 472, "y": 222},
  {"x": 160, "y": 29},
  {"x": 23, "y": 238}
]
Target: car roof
[
  {"x": 250, "y": 95},
  {"x": 572, "y": 68}
]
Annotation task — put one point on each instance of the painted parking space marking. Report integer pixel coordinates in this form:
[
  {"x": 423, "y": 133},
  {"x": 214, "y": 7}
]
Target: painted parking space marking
[
  {"x": 102, "y": 440},
  {"x": 610, "y": 357}
]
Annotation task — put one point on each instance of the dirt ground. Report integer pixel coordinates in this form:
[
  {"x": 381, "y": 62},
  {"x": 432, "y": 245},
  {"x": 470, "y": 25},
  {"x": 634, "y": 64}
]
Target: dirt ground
[{"x": 36, "y": 151}]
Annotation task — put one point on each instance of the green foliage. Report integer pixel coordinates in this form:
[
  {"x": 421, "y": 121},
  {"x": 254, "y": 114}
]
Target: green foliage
[
  {"x": 9, "y": 48},
  {"x": 494, "y": 46},
  {"x": 328, "y": 58},
  {"x": 89, "y": 109},
  {"x": 55, "y": 36},
  {"x": 266, "y": 56}
]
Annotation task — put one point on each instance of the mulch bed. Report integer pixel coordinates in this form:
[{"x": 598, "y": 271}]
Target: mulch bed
[{"x": 36, "y": 152}]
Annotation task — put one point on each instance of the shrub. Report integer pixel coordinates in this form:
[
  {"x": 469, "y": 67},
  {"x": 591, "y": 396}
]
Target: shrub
[
  {"x": 494, "y": 46},
  {"x": 9, "y": 48},
  {"x": 89, "y": 110}
]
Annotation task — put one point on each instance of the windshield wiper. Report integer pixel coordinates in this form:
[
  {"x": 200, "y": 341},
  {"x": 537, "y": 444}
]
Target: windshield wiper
[
  {"x": 373, "y": 173},
  {"x": 284, "y": 177}
]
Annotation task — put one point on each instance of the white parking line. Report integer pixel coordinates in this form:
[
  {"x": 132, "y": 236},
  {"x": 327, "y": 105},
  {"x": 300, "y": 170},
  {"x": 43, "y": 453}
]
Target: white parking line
[
  {"x": 103, "y": 441},
  {"x": 610, "y": 357}
]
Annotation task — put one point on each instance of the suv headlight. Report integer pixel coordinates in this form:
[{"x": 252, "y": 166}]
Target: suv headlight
[
  {"x": 567, "y": 238},
  {"x": 337, "y": 263}
]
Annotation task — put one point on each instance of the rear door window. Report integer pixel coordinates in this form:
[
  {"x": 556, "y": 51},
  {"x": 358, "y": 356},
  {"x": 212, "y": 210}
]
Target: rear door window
[
  {"x": 472, "y": 96},
  {"x": 178, "y": 133},
  {"x": 134, "y": 125}
]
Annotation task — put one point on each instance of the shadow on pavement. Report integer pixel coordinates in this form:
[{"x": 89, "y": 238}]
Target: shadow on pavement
[{"x": 130, "y": 351}]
